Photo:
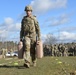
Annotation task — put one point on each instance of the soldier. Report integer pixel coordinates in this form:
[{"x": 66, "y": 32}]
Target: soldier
[
  {"x": 65, "y": 51},
  {"x": 55, "y": 50},
  {"x": 29, "y": 30},
  {"x": 3, "y": 53},
  {"x": 75, "y": 50},
  {"x": 52, "y": 49},
  {"x": 62, "y": 49},
  {"x": 45, "y": 50},
  {"x": 59, "y": 48}
]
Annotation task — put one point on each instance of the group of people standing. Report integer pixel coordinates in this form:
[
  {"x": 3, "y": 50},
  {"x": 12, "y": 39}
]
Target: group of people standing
[{"x": 67, "y": 49}]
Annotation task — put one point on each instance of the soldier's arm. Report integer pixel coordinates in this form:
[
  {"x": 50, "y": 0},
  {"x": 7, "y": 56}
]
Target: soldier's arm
[
  {"x": 37, "y": 29},
  {"x": 21, "y": 32}
]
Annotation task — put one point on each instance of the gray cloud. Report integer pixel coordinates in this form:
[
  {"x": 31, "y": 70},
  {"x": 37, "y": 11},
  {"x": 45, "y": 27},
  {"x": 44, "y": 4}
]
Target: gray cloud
[{"x": 67, "y": 36}]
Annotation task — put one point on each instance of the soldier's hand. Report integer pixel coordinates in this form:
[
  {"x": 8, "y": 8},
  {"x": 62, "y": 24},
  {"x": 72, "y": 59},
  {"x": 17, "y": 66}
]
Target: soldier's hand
[
  {"x": 38, "y": 42},
  {"x": 20, "y": 39}
]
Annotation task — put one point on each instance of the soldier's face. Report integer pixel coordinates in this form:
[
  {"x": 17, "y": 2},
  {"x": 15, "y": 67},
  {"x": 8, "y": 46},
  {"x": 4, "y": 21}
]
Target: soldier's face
[{"x": 28, "y": 12}]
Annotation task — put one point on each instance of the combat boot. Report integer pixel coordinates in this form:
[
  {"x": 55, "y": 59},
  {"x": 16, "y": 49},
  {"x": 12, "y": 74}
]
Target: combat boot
[
  {"x": 27, "y": 65},
  {"x": 34, "y": 64}
]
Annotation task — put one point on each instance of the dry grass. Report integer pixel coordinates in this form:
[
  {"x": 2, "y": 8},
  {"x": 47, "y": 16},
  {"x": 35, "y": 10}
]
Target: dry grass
[{"x": 45, "y": 66}]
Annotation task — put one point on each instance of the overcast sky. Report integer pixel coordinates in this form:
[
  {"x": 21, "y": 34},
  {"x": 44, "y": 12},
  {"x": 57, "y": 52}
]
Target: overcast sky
[{"x": 57, "y": 17}]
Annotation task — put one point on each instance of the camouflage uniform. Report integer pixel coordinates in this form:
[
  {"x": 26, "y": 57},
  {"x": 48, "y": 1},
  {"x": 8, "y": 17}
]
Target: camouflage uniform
[
  {"x": 65, "y": 51},
  {"x": 29, "y": 30},
  {"x": 62, "y": 49},
  {"x": 55, "y": 50},
  {"x": 75, "y": 50},
  {"x": 4, "y": 53},
  {"x": 59, "y": 48},
  {"x": 45, "y": 50},
  {"x": 52, "y": 50}
]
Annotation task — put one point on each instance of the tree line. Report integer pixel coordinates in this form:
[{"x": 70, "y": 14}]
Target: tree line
[{"x": 8, "y": 45}]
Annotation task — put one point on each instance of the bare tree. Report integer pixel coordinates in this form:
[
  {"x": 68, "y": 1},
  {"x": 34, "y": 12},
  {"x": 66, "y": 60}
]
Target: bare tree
[{"x": 50, "y": 39}]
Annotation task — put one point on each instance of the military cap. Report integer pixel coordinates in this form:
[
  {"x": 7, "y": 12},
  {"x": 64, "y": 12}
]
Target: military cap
[{"x": 28, "y": 8}]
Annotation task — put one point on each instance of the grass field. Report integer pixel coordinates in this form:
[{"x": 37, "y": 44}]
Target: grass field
[{"x": 45, "y": 66}]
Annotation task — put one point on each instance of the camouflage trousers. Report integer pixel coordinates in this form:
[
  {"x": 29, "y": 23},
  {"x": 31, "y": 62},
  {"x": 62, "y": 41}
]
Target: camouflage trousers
[{"x": 29, "y": 45}]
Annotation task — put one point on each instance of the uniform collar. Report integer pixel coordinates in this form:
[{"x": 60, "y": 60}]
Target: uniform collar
[{"x": 30, "y": 16}]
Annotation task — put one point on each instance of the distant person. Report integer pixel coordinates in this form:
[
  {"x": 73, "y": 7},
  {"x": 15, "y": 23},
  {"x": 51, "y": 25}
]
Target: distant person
[{"x": 29, "y": 30}]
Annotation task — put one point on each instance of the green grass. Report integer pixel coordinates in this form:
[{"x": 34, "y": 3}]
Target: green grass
[{"x": 45, "y": 66}]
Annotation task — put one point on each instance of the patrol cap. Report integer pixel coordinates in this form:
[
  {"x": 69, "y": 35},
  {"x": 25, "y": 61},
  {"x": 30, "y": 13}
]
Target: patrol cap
[{"x": 28, "y": 8}]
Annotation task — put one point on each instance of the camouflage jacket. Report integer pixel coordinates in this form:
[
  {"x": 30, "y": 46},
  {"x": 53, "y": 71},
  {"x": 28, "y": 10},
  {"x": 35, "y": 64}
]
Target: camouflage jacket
[{"x": 29, "y": 27}]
